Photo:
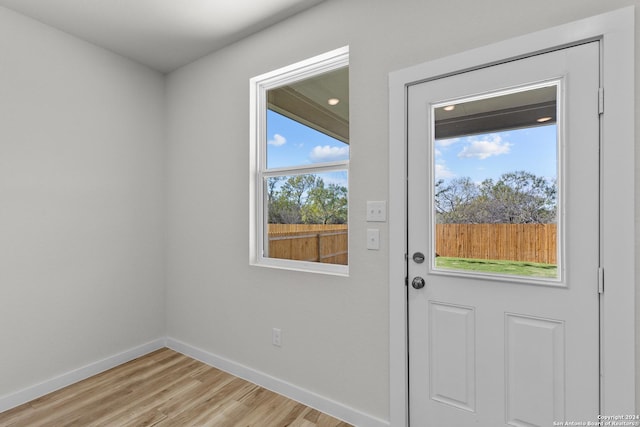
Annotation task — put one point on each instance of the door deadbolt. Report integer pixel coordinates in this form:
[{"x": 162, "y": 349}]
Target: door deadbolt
[
  {"x": 418, "y": 257},
  {"x": 417, "y": 282}
]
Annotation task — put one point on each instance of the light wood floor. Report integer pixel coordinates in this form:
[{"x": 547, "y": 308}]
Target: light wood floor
[{"x": 165, "y": 388}]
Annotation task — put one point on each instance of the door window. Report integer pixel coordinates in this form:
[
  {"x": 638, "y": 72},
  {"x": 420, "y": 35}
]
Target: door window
[{"x": 496, "y": 176}]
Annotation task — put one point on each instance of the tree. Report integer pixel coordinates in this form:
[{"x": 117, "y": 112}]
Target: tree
[
  {"x": 517, "y": 197},
  {"x": 296, "y": 187},
  {"x": 326, "y": 205},
  {"x": 454, "y": 200},
  {"x": 285, "y": 202},
  {"x": 305, "y": 199}
]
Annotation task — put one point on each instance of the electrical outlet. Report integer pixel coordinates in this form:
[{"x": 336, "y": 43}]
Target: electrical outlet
[{"x": 276, "y": 337}]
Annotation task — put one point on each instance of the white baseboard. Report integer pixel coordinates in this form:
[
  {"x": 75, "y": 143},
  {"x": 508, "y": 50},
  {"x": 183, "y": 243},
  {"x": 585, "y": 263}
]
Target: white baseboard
[
  {"x": 33, "y": 392},
  {"x": 306, "y": 397}
]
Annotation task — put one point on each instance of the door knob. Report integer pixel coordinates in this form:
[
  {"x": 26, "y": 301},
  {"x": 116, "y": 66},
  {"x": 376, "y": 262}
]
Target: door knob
[
  {"x": 417, "y": 283},
  {"x": 418, "y": 257}
]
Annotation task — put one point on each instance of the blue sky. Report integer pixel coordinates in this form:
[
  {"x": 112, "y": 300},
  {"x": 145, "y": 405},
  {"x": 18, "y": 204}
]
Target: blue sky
[
  {"x": 478, "y": 157},
  {"x": 490, "y": 155},
  {"x": 290, "y": 143}
]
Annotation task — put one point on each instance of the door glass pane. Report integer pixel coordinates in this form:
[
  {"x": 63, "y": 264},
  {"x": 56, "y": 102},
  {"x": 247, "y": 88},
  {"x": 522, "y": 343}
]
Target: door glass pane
[{"x": 495, "y": 183}]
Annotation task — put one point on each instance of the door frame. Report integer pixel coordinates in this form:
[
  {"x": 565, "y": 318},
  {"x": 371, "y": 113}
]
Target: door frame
[{"x": 615, "y": 30}]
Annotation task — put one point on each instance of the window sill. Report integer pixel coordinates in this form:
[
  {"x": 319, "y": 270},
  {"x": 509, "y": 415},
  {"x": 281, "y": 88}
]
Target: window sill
[{"x": 303, "y": 266}]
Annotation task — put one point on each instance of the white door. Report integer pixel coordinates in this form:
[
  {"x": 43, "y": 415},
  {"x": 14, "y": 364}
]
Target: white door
[{"x": 503, "y": 206}]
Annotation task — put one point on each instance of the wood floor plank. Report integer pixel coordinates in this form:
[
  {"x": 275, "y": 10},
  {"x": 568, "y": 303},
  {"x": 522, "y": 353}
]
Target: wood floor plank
[
  {"x": 165, "y": 389},
  {"x": 148, "y": 406},
  {"x": 115, "y": 395},
  {"x": 57, "y": 408}
]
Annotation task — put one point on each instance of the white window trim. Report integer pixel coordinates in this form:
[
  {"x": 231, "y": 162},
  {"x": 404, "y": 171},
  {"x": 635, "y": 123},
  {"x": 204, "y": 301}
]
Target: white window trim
[
  {"x": 618, "y": 327},
  {"x": 259, "y": 86}
]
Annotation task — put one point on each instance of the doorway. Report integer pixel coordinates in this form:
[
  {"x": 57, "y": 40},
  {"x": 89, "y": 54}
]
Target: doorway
[
  {"x": 503, "y": 313},
  {"x": 615, "y": 33}
]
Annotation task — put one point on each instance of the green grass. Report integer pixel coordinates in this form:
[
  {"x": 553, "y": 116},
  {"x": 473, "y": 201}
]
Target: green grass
[{"x": 515, "y": 268}]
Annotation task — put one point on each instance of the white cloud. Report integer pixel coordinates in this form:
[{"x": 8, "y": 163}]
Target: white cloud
[
  {"x": 446, "y": 142},
  {"x": 441, "y": 145},
  {"x": 327, "y": 153},
  {"x": 443, "y": 172},
  {"x": 277, "y": 140},
  {"x": 491, "y": 145}
]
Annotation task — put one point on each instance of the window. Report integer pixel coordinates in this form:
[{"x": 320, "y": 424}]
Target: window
[
  {"x": 495, "y": 184},
  {"x": 299, "y": 183}
]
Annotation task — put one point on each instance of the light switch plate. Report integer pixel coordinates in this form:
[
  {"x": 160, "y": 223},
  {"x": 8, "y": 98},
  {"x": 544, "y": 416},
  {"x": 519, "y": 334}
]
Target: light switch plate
[
  {"x": 373, "y": 239},
  {"x": 377, "y": 211}
]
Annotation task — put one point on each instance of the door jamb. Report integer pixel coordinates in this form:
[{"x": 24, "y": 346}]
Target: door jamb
[{"x": 617, "y": 239}]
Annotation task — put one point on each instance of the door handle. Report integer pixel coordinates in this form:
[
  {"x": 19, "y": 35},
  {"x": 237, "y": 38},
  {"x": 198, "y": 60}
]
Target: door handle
[{"x": 418, "y": 283}]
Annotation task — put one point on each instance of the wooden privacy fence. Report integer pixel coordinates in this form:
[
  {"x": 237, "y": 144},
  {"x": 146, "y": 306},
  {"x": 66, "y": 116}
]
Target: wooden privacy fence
[
  {"x": 512, "y": 242},
  {"x": 309, "y": 242}
]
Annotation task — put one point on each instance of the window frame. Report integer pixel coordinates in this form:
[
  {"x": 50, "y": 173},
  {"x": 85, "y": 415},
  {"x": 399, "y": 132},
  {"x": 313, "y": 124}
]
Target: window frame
[
  {"x": 259, "y": 86},
  {"x": 560, "y": 279}
]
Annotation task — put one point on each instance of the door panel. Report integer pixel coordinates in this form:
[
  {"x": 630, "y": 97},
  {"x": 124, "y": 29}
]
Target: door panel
[
  {"x": 452, "y": 347},
  {"x": 493, "y": 340},
  {"x": 534, "y": 352}
]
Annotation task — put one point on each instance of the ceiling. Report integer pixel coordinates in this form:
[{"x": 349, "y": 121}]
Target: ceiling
[
  {"x": 162, "y": 34},
  {"x": 320, "y": 102},
  {"x": 495, "y": 113}
]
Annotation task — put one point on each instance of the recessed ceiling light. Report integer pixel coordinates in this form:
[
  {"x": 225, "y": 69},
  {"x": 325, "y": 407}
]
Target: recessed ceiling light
[
  {"x": 449, "y": 108},
  {"x": 544, "y": 119},
  {"x": 333, "y": 101}
]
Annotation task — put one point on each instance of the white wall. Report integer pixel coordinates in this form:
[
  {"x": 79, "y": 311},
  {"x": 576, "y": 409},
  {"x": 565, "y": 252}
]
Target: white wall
[
  {"x": 81, "y": 203},
  {"x": 335, "y": 330}
]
